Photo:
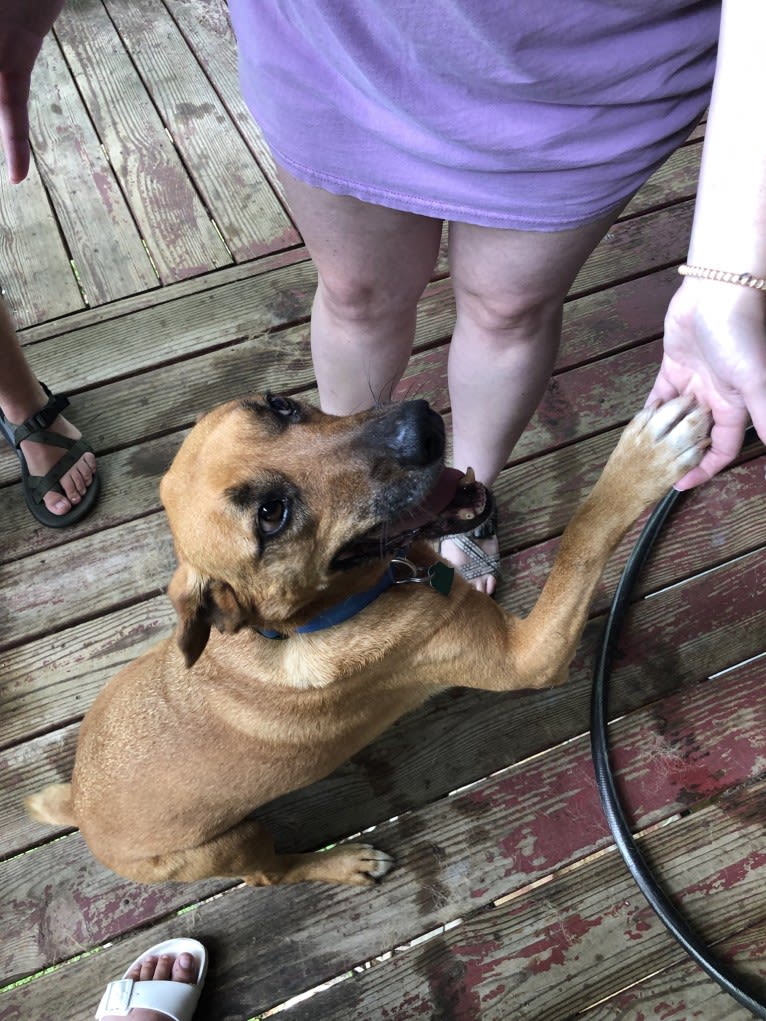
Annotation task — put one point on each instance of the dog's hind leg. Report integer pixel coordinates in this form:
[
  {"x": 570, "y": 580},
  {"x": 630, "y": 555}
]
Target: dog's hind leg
[
  {"x": 247, "y": 851},
  {"x": 356, "y": 864}
]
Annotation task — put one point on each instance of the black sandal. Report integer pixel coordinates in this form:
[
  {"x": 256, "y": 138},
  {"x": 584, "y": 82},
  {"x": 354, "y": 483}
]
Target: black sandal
[{"x": 36, "y": 486}]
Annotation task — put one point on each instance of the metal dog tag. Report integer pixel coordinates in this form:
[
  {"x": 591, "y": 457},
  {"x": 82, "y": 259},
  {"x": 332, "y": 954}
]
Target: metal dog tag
[{"x": 440, "y": 577}]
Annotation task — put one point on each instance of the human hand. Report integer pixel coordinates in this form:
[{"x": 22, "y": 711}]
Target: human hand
[
  {"x": 23, "y": 26},
  {"x": 715, "y": 349}
]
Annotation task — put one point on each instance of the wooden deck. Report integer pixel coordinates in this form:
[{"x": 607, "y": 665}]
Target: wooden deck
[{"x": 154, "y": 272}]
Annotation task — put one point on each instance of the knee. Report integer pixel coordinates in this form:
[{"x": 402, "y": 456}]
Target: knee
[
  {"x": 510, "y": 314},
  {"x": 358, "y": 298}
]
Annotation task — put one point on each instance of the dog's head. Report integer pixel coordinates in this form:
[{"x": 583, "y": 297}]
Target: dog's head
[{"x": 279, "y": 510}]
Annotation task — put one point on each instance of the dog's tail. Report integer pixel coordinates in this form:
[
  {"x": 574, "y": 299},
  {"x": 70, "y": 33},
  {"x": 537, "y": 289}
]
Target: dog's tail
[{"x": 52, "y": 805}]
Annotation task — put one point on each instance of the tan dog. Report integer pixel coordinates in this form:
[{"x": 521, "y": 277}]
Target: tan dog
[{"x": 280, "y": 514}]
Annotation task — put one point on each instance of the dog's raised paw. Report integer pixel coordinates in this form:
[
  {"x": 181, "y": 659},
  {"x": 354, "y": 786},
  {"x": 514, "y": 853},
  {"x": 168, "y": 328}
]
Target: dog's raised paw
[{"x": 669, "y": 438}]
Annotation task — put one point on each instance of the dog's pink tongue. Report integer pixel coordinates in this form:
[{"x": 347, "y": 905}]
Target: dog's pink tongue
[{"x": 434, "y": 503}]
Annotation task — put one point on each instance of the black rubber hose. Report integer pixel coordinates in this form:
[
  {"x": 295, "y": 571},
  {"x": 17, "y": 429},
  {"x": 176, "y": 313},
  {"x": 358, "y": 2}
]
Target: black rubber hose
[{"x": 648, "y": 884}]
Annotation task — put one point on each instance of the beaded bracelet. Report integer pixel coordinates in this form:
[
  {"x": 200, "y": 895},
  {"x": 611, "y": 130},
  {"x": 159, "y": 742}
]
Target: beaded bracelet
[{"x": 745, "y": 279}]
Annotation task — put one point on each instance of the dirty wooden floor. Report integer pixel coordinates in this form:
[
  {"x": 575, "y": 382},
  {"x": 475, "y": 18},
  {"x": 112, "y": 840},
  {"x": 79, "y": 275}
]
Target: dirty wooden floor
[{"x": 154, "y": 272}]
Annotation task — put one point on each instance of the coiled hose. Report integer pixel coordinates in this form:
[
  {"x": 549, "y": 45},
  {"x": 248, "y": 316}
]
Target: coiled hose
[{"x": 615, "y": 815}]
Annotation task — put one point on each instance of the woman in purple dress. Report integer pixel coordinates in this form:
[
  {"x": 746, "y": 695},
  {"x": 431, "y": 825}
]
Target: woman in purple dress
[{"x": 526, "y": 126}]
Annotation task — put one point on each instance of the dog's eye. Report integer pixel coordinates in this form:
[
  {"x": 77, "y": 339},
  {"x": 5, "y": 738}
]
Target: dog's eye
[
  {"x": 272, "y": 516},
  {"x": 281, "y": 405}
]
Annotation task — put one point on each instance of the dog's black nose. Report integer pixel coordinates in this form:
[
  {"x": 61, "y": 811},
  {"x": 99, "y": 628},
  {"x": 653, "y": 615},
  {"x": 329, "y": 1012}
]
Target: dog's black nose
[{"x": 411, "y": 432}]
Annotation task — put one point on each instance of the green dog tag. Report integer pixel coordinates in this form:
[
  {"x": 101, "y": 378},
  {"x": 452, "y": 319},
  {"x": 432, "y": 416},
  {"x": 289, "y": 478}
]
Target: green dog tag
[{"x": 440, "y": 577}]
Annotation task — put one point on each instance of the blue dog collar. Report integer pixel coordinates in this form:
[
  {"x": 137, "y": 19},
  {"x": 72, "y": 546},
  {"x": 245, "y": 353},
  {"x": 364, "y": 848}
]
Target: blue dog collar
[{"x": 438, "y": 576}]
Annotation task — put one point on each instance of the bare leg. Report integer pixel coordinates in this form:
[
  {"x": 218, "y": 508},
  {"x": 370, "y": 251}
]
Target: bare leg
[
  {"x": 177, "y": 969},
  {"x": 373, "y": 264},
  {"x": 21, "y": 396},
  {"x": 509, "y": 292}
]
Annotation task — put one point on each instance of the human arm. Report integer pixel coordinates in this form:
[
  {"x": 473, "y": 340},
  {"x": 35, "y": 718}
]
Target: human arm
[
  {"x": 23, "y": 26},
  {"x": 715, "y": 332}
]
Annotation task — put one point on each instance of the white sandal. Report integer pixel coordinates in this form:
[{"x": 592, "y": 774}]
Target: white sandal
[{"x": 176, "y": 1000}]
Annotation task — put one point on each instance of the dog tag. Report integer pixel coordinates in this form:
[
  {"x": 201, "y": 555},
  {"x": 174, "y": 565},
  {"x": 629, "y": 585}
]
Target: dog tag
[{"x": 440, "y": 577}]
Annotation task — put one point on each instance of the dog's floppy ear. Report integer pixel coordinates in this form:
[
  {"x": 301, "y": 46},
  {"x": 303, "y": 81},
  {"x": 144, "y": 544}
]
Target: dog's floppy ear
[
  {"x": 188, "y": 594},
  {"x": 201, "y": 603}
]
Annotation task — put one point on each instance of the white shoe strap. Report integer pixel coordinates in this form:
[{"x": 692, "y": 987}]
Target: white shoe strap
[{"x": 176, "y": 1000}]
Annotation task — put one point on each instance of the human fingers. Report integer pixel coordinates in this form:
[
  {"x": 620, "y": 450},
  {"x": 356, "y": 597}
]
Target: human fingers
[
  {"x": 14, "y": 124},
  {"x": 670, "y": 383},
  {"x": 756, "y": 405},
  {"x": 725, "y": 443}
]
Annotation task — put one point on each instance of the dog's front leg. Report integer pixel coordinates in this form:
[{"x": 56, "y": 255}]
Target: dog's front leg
[{"x": 656, "y": 449}]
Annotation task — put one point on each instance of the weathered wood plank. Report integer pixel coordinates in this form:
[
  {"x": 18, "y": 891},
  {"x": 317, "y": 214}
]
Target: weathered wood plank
[
  {"x": 133, "y": 303},
  {"x": 595, "y": 325},
  {"x": 618, "y": 317},
  {"x": 674, "y": 181},
  {"x": 206, "y": 25},
  {"x": 105, "y": 245},
  {"x": 544, "y": 956},
  {"x": 684, "y": 991},
  {"x": 62, "y": 917},
  {"x": 168, "y": 332},
  {"x": 576, "y": 405},
  {"x": 36, "y": 278},
  {"x": 131, "y": 562},
  {"x": 455, "y": 857},
  {"x": 630, "y": 310},
  {"x": 181, "y": 238},
  {"x": 591, "y": 398},
  {"x": 664, "y": 233},
  {"x": 245, "y": 209}
]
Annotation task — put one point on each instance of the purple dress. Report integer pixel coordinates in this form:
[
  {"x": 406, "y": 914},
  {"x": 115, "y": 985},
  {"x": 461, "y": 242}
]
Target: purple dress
[{"x": 527, "y": 114}]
